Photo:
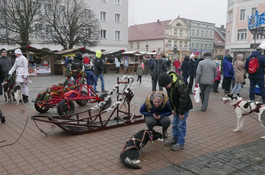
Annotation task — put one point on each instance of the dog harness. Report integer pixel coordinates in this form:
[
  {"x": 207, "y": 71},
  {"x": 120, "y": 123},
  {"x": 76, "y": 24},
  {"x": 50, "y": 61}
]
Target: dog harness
[
  {"x": 139, "y": 140},
  {"x": 251, "y": 110}
]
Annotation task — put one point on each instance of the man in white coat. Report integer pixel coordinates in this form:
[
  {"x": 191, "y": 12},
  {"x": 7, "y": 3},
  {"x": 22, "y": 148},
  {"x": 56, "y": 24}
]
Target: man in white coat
[{"x": 22, "y": 73}]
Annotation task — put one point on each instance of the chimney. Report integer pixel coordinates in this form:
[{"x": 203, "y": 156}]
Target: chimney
[
  {"x": 222, "y": 26},
  {"x": 158, "y": 21}
]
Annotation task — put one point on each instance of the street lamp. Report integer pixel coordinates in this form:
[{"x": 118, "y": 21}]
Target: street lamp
[
  {"x": 146, "y": 46},
  {"x": 175, "y": 50}
]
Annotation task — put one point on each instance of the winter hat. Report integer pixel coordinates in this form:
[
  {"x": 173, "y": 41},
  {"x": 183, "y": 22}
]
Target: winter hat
[
  {"x": 18, "y": 51},
  {"x": 259, "y": 49},
  {"x": 192, "y": 55},
  {"x": 2, "y": 50},
  {"x": 164, "y": 79},
  {"x": 217, "y": 63}
]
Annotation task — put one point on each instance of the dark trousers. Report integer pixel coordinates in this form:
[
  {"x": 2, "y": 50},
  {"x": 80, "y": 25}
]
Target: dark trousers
[
  {"x": 117, "y": 70},
  {"x": 227, "y": 84},
  {"x": 191, "y": 83},
  {"x": 223, "y": 83},
  {"x": 154, "y": 83},
  {"x": 140, "y": 79},
  {"x": 260, "y": 83},
  {"x": 215, "y": 85},
  {"x": 151, "y": 122}
]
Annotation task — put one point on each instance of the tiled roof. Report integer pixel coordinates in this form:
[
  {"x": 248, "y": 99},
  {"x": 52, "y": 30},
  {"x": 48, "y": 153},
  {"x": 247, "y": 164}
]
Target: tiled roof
[{"x": 148, "y": 31}]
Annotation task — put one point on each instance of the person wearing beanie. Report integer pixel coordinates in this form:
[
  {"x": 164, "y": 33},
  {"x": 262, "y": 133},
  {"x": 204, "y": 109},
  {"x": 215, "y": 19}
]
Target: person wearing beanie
[
  {"x": 98, "y": 70},
  {"x": 256, "y": 78},
  {"x": 5, "y": 62},
  {"x": 180, "y": 103},
  {"x": 156, "y": 111},
  {"x": 205, "y": 75},
  {"x": 157, "y": 68},
  {"x": 22, "y": 73}
]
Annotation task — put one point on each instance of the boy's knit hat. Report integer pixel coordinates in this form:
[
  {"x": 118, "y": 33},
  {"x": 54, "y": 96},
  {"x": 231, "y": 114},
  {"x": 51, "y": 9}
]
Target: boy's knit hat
[{"x": 164, "y": 79}]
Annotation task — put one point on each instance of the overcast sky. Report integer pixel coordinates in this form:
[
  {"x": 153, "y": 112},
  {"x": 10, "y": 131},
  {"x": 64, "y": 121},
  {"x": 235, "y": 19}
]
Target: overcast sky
[{"x": 145, "y": 11}]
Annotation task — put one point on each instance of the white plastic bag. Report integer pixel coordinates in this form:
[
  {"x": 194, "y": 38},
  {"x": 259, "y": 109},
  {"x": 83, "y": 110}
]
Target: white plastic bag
[{"x": 197, "y": 94}]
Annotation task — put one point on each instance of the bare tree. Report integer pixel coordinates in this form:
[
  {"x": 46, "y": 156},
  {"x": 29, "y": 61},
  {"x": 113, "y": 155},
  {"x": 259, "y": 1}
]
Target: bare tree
[
  {"x": 16, "y": 20},
  {"x": 68, "y": 23}
]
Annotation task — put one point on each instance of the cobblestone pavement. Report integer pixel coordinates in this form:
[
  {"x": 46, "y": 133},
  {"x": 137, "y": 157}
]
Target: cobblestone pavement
[{"x": 210, "y": 148}]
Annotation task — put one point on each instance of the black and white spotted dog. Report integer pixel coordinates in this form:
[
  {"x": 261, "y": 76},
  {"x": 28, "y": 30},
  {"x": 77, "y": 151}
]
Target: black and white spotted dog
[
  {"x": 12, "y": 90},
  {"x": 130, "y": 154},
  {"x": 244, "y": 107}
]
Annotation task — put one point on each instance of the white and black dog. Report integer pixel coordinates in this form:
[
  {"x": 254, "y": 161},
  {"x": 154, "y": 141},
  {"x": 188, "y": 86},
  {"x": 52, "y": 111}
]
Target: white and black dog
[
  {"x": 130, "y": 154},
  {"x": 12, "y": 90},
  {"x": 244, "y": 107}
]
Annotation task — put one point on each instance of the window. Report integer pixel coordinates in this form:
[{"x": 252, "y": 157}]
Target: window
[
  {"x": 210, "y": 34},
  {"x": 258, "y": 36},
  {"x": 230, "y": 16},
  {"x": 181, "y": 33},
  {"x": 47, "y": 8},
  {"x": 103, "y": 1},
  {"x": 117, "y": 18},
  {"x": 131, "y": 45},
  {"x": 202, "y": 33},
  {"x": 210, "y": 46},
  {"x": 61, "y": 10},
  {"x": 103, "y": 16},
  {"x": 175, "y": 43},
  {"x": 169, "y": 44},
  {"x": 192, "y": 32},
  {"x": 192, "y": 45},
  {"x": 253, "y": 11},
  {"x": 103, "y": 34},
  {"x": 201, "y": 46},
  {"x": 228, "y": 36},
  {"x": 197, "y": 45},
  {"x": 241, "y": 34},
  {"x": 138, "y": 45},
  {"x": 117, "y": 2},
  {"x": 186, "y": 44},
  {"x": 242, "y": 14},
  {"x": 206, "y": 46},
  {"x": 198, "y": 32},
  {"x": 175, "y": 32},
  {"x": 206, "y": 34},
  {"x": 180, "y": 44},
  {"x": 117, "y": 35}
]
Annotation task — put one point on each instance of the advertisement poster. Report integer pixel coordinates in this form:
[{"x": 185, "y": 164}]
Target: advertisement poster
[
  {"x": 32, "y": 70},
  {"x": 43, "y": 69}
]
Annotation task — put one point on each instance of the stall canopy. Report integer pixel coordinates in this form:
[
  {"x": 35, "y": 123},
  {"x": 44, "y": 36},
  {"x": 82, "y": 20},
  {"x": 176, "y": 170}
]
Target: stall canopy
[
  {"x": 262, "y": 45},
  {"x": 71, "y": 52}
]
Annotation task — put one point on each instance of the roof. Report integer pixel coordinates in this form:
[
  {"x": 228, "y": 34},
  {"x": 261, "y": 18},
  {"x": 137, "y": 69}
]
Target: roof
[
  {"x": 219, "y": 36},
  {"x": 148, "y": 31}
]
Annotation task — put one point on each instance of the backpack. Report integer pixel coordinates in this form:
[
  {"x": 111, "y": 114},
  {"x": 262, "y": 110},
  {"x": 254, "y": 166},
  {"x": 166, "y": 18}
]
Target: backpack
[{"x": 253, "y": 65}]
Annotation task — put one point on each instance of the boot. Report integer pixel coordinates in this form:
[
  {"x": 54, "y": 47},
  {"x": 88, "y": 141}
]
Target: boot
[
  {"x": 2, "y": 117},
  {"x": 25, "y": 98}
]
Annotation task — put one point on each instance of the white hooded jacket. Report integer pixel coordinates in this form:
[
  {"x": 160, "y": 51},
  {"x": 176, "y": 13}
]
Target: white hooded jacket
[{"x": 21, "y": 67}]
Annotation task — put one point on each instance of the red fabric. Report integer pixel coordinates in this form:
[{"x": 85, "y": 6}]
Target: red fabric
[
  {"x": 218, "y": 77},
  {"x": 86, "y": 60},
  {"x": 176, "y": 63}
]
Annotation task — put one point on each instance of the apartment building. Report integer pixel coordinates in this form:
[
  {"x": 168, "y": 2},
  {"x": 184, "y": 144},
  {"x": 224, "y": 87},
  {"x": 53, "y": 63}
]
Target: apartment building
[
  {"x": 113, "y": 18},
  {"x": 219, "y": 42},
  {"x": 238, "y": 38}
]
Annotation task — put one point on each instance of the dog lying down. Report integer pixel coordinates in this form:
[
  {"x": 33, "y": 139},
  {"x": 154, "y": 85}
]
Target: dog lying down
[
  {"x": 243, "y": 107},
  {"x": 130, "y": 154}
]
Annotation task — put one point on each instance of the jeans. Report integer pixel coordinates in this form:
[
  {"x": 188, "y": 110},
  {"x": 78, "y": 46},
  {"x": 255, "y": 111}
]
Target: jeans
[
  {"x": 139, "y": 79},
  {"x": 102, "y": 82},
  {"x": 260, "y": 83},
  {"x": 179, "y": 128},
  {"x": 237, "y": 87}
]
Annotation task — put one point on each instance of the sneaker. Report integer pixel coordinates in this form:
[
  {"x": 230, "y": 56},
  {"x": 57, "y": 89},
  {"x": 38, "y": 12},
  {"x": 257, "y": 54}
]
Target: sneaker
[
  {"x": 104, "y": 91},
  {"x": 177, "y": 147},
  {"x": 171, "y": 142},
  {"x": 165, "y": 134}
]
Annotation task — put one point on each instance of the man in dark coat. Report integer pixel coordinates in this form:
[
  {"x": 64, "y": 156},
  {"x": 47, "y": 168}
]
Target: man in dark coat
[
  {"x": 192, "y": 72},
  {"x": 2, "y": 77},
  {"x": 98, "y": 70},
  {"x": 185, "y": 69},
  {"x": 158, "y": 67},
  {"x": 5, "y": 62},
  {"x": 258, "y": 77}
]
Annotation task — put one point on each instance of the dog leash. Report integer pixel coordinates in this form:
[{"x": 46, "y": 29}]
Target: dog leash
[
  {"x": 249, "y": 113},
  {"x": 18, "y": 137}
]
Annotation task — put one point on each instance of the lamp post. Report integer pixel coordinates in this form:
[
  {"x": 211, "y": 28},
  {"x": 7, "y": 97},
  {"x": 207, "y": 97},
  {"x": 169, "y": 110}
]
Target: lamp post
[
  {"x": 146, "y": 46},
  {"x": 175, "y": 50}
]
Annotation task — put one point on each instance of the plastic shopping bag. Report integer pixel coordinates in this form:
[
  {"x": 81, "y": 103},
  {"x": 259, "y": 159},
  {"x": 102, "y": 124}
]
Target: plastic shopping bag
[{"x": 197, "y": 94}]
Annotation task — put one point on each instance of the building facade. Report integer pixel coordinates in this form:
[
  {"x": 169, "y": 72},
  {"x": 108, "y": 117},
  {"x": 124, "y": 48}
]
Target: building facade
[
  {"x": 219, "y": 42},
  {"x": 238, "y": 37},
  {"x": 113, "y": 18},
  {"x": 202, "y": 37}
]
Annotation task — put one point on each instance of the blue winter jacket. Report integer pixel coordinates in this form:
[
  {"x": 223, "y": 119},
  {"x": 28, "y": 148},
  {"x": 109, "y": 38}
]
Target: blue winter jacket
[
  {"x": 260, "y": 70},
  {"x": 91, "y": 78},
  {"x": 229, "y": 70}
]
